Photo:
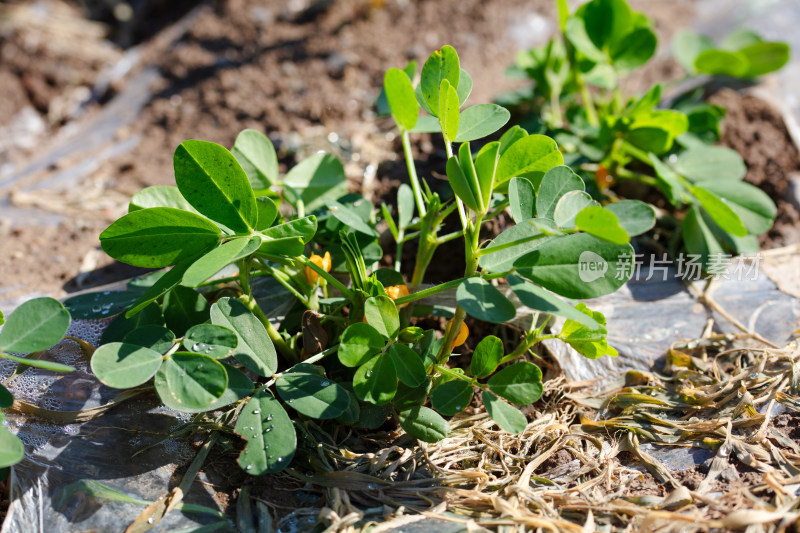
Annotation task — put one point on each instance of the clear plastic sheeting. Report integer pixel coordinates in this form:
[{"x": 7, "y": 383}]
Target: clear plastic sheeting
[
  {"x": 52, "y": 489},
  {"x": 646, "y": 317}
]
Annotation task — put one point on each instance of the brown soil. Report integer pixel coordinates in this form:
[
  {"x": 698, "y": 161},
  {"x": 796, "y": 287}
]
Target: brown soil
[
  {"x": 756, "y": 130},
  {"x": 298, "y": 71}
]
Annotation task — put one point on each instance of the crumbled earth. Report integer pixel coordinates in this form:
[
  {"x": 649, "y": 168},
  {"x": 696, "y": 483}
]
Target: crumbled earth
[{"x": 306, "y": 73}]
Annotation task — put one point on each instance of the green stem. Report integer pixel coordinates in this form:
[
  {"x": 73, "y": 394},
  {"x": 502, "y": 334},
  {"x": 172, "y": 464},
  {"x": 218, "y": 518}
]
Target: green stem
[
  {"x": 399, "y": 257},
  {"x": 644, "y": 178},
  {"x": 412, "y": 173},
  {"x": 588, "y": 102},
  {"x": 555, "y": 107},
  {"x": 444, "y": 370},
  {"x": 641, "y": 155},
  {"x": 429, "y": 292}
]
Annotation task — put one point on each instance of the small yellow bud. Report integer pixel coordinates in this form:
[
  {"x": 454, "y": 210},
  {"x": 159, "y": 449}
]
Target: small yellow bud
[{"x": 323, "y": 262}]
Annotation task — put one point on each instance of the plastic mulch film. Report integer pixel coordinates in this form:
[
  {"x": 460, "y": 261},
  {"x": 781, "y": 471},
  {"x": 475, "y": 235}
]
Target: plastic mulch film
[{"x": 100, "y": 474}]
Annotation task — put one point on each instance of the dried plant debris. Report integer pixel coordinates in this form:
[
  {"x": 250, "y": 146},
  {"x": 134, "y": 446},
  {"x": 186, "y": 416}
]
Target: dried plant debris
[{"x": 591, "y": 461}]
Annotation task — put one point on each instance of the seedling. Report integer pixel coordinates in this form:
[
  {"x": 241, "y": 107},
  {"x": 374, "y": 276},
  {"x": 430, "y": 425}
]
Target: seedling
[{"x": 610, "y": 139}]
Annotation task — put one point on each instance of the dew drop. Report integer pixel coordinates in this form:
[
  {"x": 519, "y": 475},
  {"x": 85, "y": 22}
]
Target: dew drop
[
  {"x": 280, "y": 459},
  {"x": 725, "y": 450},
  {"x": 458, "y": 407},
  {"x": 290, "y": 400},
  {"x": 248, "y": 467},
  {"x": 372, "y": 486},
  {"x": 96, "y": 309},
  {"x": 106, "y": 293},
  {"x": 151, "y": 520},
  {"x": 270, "y": 417},
  {"x": 256, "y": 411},
  {"x": 326, "y": 383},
  {"x": 198, "y": 347}
]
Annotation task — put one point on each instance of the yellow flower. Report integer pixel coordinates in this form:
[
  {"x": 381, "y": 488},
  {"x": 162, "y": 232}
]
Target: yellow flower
[
  {"x": 323, "y": 262},
  {"x": 461, "y": 338},
  {"x": 397, "y": 291}
]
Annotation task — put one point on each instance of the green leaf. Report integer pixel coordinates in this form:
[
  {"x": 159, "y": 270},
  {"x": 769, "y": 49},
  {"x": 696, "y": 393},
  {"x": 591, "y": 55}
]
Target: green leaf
[
  {"x": 359, "y": 343},
  {"x": 507, "y": 416},
  {"x": 525, "y": 233},
  {"x": 753, "y": 206},
  {"x": 381, "y": 314},
  {"x": 94, "y": 305},
  {"x": 558, "y": 264},
  {"x": 219, "y": 258},
  {"x": 687, "y": 45},
  {"x": 6, "y": 399},
  {"x": 212, "y": 180},
  {"x": 485, "y": 358},
  {"x": 313, "y": 395},
  {"x": 656, "y": 131},
  {"x": 289, "y": 239},
  {"x": 720, "y": 212},
  {"x": 405, "y": 205},
  {"x": 602, "y": 223},
  {"x": 589, "y": 342},
  {"x": 267, "y": 212},
  {"x": 668, "y": 181},
  {"x": 557, "y": 182},
  {"x": 575, "y": 31},
  {"x": 121, "y": 326},
  {"x": 539, "y": 299},
  {"x": 239, "y": 388},
  {"x": 426, "y": 123},
  {"x": 607, "y": 21},
  {"x": 401, "y": 98},
  {"x": 34, "y": 326},
  {"x": 190, "y": 380},
  {"x": 215, "y": 341},
  {"x": 480, "y": 121},
  {"x": 11, "y": 448},
  {"x": 569, "y": 206},
  {"x": 376, "y": 380},
  {"x": 448, "y": 110},
  {"x": 635, "y": 49},
  {"x": 270, "y": 435},
  {"x": 739, "y": 38},
  {"x": 183, "y": 308},
  {"x": 722, "y": 62},
  {"x": 408, "y": 365},
  {"x": 318, "y": 177},
  {"x": 158, "y": 237},
  {"x": 451, "y": 397},
  {"x": 522, "y": 199},
  {"x": 257, "y": 157},
  {"x": 46, "y": 365},
  {"x": 764, "y": 57},
  {"x": 697, "y": 236},
  {"x": 441, "y": 65},
  {"x": 529, "y": 157},
  {"x": 482, "y": 300},
  {"x": 255, "y": 350},
  {"x": 349, "y": 217},
  {"x": 424, "y": 424},
  {"x": 122, "y": 366},
  {"x": 635, "y": 216},
  {"x": 511, "y": 136},
  {"x": 461, "y": 183},
  {"x": 520, "y": 383},
  {"x": 464, "y": 86},
  {"x": 152, "y": 336},
  {"x": 710, "y": 162},
  {"x": 159, "y": 196},
  {"x": 486, "y": 171}
]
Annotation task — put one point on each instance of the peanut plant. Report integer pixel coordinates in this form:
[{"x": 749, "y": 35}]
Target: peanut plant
[{"x": 348, "y": 347}]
